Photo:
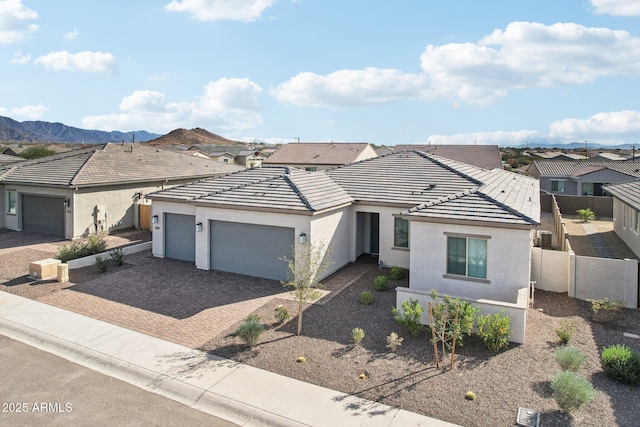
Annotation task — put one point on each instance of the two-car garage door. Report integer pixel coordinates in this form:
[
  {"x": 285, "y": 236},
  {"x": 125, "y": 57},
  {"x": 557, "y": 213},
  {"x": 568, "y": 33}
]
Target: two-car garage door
[{"x": 254, "y": 250}]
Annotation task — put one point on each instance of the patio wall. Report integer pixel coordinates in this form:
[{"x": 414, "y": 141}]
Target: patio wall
[
  {"x": 517, "y": 312},
  {"x": 91, "y": 259}
]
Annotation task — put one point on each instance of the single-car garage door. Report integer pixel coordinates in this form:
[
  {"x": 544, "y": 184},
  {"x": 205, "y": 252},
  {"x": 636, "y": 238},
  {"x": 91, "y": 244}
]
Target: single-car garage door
[
  {"x": 43, "y": 214},
  {"x": 250, "y": 249},
  {"x": 180, "y": 237}
]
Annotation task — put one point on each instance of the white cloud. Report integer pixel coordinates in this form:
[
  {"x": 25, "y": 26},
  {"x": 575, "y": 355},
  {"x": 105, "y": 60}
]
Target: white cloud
[
  {"x": 92, "y": 62},
  {"x": 28, "y": 112},
  {"x": 616, "y": 7},
  {"x": 159, "y": 78},
  {"x": 351, "y": 88},
  {"x": 500, "y": 138},
  {"x": 14, "y": 17},
  {"x": 524, "y": 55},
  {"x": 227, "y": 104},
  {"x": 616, "y": 124},
  {"x": 20, "y": 59},
  {"x": 221, "y": 10},
  {"x": 71, "y": 35}
]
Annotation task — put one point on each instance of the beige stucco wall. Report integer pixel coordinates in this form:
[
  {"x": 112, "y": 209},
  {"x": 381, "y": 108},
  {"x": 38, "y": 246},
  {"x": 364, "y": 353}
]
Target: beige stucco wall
[
  {"x": 508, "y": 261},
  {"x": 367, "y": 153},
  {"x": 550, "y": 269},
  {"x": 625, "y": 231},
  {"x": 334, "y": 230}
]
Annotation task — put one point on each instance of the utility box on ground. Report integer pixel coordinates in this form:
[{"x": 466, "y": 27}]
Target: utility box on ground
[{"x": 45, "y": 269}]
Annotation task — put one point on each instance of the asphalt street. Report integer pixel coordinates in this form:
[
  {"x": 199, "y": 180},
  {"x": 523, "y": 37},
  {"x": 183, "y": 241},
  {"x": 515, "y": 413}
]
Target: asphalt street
[{"x": 41, "y": 389}]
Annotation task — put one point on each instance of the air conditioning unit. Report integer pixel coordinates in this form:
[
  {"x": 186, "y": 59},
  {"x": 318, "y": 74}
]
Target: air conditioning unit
[{"x": 544, "y": 239}]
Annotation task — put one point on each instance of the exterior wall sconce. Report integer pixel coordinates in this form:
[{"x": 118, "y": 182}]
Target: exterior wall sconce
[
  {"x": 199, "y": 227},
  {"x": 66, "y": 203},
  {"x": 302, "y": 238},
  {"x": 154, "y": 219}
]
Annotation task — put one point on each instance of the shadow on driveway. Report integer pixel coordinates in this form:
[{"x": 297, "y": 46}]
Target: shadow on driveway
[{"x": 176, "y": 288}]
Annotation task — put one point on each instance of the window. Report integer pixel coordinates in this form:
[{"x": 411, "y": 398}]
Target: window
[
  {"x": 311, "y": 168},
  {"x": 12, "y": 197},
  {"x": 226, "y": 160},
  {"x": 401, "y": 233},
  {"x": 558, "y": 186},
  {"x": 467, "y": 257},
  {"x": 636, "y": 221},
  {"x": 624, "y": 216}
]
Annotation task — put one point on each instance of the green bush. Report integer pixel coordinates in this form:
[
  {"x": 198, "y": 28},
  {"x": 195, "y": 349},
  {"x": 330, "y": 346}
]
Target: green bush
[
  {"x": 495, "y": 330},
  {"x": 366, "y": 298},
  {"x": 253, "y": 318},
  {"x": 380, "y": 283},
  {"x": 394, "y": 341},
  {"x": 94, "y": 245},
  {"x": 571, "y": 390},
  {"x": 621, "y": 364},
  {"x": 282, "y": 313},
  {"x": 569, "y": 358},
  {"x": 565, "y": 331},
  {"x": 102, "y": 264},
  {"x": 397, "y": 273},
  {"x": 605, "y": 311},
  {"x": 249, "y": 331},
  {"x": 36, "y": 152},
  {"x": 358, "y": 335},
  {"x": 586, "y": 214},
  {"x": 409, "y": 317},
  {"x": 444, "y": 325},
  {"x": 117, "y": 255}
]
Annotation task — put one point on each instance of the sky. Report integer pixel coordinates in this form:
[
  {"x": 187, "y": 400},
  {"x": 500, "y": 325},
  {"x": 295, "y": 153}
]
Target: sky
[{"x": 511, "y": 73}]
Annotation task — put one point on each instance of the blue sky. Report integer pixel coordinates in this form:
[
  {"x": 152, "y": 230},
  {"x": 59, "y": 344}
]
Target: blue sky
[{"x": 464, "y": 72}]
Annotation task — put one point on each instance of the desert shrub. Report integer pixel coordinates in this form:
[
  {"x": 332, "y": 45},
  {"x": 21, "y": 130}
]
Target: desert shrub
[
  {"x": 95, "y": 244},
  {"x": 69, "y": 252},
  {"x": 605, "y": 311},
  {"x": 380, "y": 283},
  {"x": 586, "y": 214},
  {"x": 366, "y": 298},
  {"x": 102, "y": 264},
  {"x": 282, "y": 313},
  {"x": 571, "y": 390},
  {"x": 569, "y": 358},
  {"x": 494, "y": 330},
  {"x": 253, "y": 318},
  {"x": 565, "y": 331},
  {"x": 409, "y": 317},
  {"x": 36, "y": 152},
  {"x": 394, "y": 341},
  {"x": 397, "y": 273},
  {"x": 358, "y": 335},
  {"x": 249, "y": 331},
  {"x": 117, "y": 255},
  {"x": 621, "y": 364}
]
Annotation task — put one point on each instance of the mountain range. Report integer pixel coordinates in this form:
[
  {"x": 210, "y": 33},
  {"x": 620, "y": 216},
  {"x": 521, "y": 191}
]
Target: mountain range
[{"x": 39, "y": 132}]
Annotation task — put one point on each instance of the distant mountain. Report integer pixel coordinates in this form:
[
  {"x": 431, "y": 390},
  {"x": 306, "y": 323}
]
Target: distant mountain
[
  {"x": 197, "y": 136},
  {"x": 38, "y": 131},
  {"x": 577, "y": 145}
]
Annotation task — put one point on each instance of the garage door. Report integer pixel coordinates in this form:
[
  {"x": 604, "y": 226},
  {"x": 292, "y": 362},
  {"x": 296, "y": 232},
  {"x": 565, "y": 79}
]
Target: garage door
[
  {"x": 180, "y": 237},
  {"x": 250, "y": 249},
  {"x": 43, "y": 214}
]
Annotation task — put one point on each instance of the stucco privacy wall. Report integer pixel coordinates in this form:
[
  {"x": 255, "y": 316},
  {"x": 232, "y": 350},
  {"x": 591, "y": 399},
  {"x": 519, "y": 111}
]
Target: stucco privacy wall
[
  {"x": 599, "y": 278},
  {"x": 12, "y": 222},
  {"x": 625, "y": 231},
  {"x": 550, "y": 270},
  {"x": 334, "y": 229},
  {"x": 517, "y": 312},
  {"x": 389, "y": 255},
  {"x": 508, "y": 261}
]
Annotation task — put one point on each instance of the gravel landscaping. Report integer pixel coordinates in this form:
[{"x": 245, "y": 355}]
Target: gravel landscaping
[{"x": 516, "y": 377}]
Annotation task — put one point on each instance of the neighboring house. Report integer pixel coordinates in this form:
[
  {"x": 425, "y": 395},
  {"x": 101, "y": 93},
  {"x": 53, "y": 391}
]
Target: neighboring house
[
  {"x": 460, "y": 229},
  {"x": 224, "y": 157},
  {"x": 8, "y": 158},
  {"x": 312, "y": 156},
  {"x": 558, "y": 155},
  {"x": 582, "y": 178},
  {"x": 482, "y": 156},
  {"x": 626, "y": 213},
  {"x": 607, "y": 157},
  {"x": 383, "y": 150},
  {"x": 251, "y": 158},
  {"x": 90, "y": 190}
]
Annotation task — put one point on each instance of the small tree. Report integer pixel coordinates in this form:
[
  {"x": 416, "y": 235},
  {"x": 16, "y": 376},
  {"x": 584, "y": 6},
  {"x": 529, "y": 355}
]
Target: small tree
[
  {"x": 309, "y": 262},
  {"x": 36, "y": 152},
  {"x": 586, "y": 214}
]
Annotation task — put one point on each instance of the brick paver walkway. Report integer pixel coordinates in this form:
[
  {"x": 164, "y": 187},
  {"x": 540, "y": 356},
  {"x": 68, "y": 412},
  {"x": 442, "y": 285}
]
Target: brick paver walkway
[{"x": 174, "y": 301}]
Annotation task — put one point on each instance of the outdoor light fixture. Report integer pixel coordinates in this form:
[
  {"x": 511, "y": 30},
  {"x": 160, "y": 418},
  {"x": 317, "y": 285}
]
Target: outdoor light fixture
[
  {"x": 154, "y": 219},
  {"x": 199, "y": 226},
  {"x": 302, "y": 238},
  {"x": 66, "y": 203}
]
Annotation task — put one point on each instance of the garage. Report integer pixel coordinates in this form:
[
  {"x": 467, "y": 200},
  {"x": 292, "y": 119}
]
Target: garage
[
  {"x": 180, "y": 236},
  {"x": 250, "y": 249},
  {"x": 43, "y": 214}
]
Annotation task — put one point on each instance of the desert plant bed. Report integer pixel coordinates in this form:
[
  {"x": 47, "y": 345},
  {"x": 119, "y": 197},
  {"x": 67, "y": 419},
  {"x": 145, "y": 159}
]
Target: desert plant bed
[{"x": 503, "y": 381}]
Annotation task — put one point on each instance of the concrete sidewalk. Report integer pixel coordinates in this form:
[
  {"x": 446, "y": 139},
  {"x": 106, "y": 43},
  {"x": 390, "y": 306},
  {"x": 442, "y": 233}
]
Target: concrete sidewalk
[{"x": 230, "y": 390}]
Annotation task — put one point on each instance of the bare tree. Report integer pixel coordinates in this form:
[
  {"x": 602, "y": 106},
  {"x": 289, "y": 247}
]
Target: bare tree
[{"x": 309, "y": 262}]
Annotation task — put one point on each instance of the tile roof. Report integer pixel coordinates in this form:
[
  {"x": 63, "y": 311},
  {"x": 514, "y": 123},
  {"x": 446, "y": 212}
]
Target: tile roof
[
  {"x": 628, "y": 192},
  {"x": 110, "y": 164},
  {"x": 482, "y": 156},
  {"x": 578, "y": 168},
  {"x": 317, "y": 153},
  {"x": 609, "y": 156},
  {"x": 8, "y": 158},
  {"x": 212, "y": 148}
]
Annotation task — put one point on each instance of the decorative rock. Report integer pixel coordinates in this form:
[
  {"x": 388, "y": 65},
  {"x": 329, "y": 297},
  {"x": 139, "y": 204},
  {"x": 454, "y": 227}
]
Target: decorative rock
[
  {"x": 470, "y": 395},
  {"x": 362, "y": 376},
  {"x": 301, "y": 359}
]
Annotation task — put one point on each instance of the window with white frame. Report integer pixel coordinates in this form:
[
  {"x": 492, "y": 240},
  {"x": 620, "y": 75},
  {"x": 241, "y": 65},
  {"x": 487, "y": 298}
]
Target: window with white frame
[
  {"x": 12, "y": 201},
  {"x": 558, "y": 185},
  {"x": 467, "y": 256},
  {"x": 401, "y": 233}
]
